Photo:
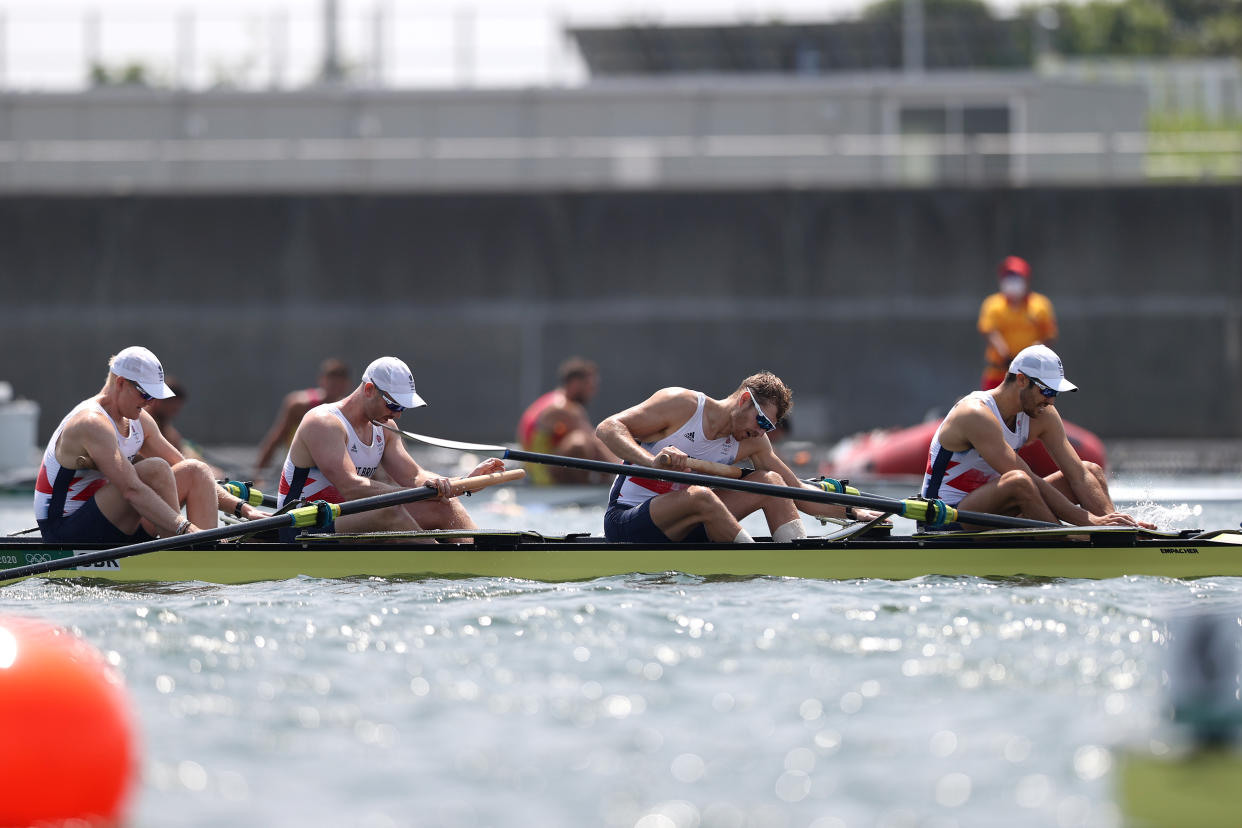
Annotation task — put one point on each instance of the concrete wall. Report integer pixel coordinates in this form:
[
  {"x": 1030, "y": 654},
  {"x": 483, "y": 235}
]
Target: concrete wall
[{"x": 865, "y": 301}]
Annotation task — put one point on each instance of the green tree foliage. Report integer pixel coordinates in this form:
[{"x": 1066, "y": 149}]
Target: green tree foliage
[
  {"x": 1131, "y": 28},
  {"x": 1146, "y": 28},
  {"x": 133, "y": 73}
]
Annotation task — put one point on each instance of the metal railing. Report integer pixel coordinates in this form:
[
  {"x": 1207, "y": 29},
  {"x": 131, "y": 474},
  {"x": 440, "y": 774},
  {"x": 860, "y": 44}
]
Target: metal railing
[{"x": 622, "y": 161}]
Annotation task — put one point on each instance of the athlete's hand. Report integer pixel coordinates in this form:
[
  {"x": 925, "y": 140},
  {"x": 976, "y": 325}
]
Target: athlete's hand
[
  {"x": 671, "y": 458},
  {"x": 443, "y": 486},
  {"x": 1119, "y": 519},
  {"x": 489, "y": 466},
  {"x": 251, "y": 513}
]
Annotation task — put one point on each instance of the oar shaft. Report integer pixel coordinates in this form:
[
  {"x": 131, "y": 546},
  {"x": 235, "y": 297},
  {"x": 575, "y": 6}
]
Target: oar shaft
[{"x": 883, "y": 504}]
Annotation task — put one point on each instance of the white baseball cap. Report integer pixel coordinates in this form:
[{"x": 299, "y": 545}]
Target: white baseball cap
[
  {"x": 393, "y": 377},
  {"x": 139, "y": 365},
  {"x": 1041, "y": 363}
]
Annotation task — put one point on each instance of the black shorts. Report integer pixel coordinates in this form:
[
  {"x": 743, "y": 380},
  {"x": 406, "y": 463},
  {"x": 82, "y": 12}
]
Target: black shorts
[
  {"x": 633, "y": 524},
  {"x": 88, "y": 525}
]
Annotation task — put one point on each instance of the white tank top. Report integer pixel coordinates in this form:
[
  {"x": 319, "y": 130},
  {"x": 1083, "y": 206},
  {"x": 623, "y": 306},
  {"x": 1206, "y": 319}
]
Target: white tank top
[
  {"x": 297, "y": 483},
  {"x": 60, "y": 491},
  {"x": 632, "y": 491},
  {"x": 950, "y": 476}
]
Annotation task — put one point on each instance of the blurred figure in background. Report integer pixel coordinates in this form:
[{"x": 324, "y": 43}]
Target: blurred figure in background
[
  {"x": 1013, "y": 318},
  {"x": 333, "y": 385},
  {"x": 165, "y": 411},
  {"x": 557, "y": 423}
]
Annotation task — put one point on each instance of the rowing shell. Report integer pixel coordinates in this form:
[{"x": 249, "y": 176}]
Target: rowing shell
[{"x": 1071, "y": 552}]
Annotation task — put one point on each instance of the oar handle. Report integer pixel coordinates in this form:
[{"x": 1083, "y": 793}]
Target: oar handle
[
  {"x": 465, "y": 485},
  {"x": 703, "y": 466}
]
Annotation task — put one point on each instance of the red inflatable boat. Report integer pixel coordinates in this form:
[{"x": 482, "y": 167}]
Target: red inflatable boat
[{"x": 903, "y": 452}]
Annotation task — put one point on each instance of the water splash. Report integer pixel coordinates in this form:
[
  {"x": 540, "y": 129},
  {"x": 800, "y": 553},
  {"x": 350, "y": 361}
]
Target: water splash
[{"x": 1170, "y": 517}]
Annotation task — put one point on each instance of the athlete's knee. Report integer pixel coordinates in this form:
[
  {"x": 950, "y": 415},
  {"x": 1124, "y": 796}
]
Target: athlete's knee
[
  {"x": 770, "y": 477},
  {"x": 152, "y": 468},
  {"x": 1018, "y": 481},
  {"x": 194, "y": 467},
  {"x": 705, "y": 500},
  {"x": 1094, "y": 469}
]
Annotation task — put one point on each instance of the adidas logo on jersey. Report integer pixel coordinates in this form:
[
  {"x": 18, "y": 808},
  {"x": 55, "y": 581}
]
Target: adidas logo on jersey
[
  {"x": 689, "y": 435},
  {"x": 354, "y": 448}
]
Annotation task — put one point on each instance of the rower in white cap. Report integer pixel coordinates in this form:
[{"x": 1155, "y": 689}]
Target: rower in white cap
[
  {"x": 973, "y": 462},
  {"x": 109, "y": 476},
  {"x": 338, "y": 447}
]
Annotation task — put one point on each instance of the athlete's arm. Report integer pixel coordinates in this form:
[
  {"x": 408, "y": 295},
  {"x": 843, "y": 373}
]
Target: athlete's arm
[
  {"x": 292, "y": 409},
  {"x": 155, "y": 444},
  {"x": 650, "y": 420},
  {"x": 405, "y": 471},
  {"x": 1050, "y": 430},
  {"x": 91, "y": 436},
  {"x": 321, "y": 442},
  {"x": 764, "y": 458}
]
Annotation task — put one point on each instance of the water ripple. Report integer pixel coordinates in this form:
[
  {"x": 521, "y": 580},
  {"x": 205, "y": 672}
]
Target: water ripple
[{"x": 643, "y": 700}]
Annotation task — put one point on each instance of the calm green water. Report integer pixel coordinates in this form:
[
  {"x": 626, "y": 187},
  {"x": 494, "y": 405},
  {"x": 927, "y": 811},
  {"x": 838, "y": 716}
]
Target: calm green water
[{"x": 650, "y": 701}]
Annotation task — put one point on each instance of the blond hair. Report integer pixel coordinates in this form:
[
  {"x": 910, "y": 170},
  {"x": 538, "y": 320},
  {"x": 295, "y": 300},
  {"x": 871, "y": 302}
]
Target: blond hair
[{"x": 768, "y": 387}]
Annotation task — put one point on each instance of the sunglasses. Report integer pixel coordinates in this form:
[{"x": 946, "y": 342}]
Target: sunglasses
[
  {"x": 393, "y": 406},
  {"x": 1043, "y": 389},
  {"x": 761, "y": 419},
  {"x": 142, "y": 392}
]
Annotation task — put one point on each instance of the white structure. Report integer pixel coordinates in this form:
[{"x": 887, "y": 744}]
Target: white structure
[{"x": 19, "y": 423}]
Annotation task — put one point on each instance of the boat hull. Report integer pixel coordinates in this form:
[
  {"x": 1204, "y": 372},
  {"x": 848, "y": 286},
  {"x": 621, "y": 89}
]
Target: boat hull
[{"x": 1004, "y": 554}]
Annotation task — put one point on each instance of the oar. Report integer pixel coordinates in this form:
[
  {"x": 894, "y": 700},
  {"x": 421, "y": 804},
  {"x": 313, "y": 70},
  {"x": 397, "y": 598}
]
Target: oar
[
  {"x": 302, "y": 517},
  {"x": 928, "y": 511}
]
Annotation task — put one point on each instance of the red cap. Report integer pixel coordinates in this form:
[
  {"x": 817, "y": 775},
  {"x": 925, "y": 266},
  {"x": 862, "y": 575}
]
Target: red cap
[{"x": 1013, "y": 264}]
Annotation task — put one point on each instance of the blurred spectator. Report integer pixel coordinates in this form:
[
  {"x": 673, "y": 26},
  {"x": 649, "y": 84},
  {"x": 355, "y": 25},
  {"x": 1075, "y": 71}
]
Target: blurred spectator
[
  {"x": 557, "y": 423},
  {"x": 334, "y": 384},
  {"x": 165, "y": 411},
  {"x": 1013, "y": 318}
]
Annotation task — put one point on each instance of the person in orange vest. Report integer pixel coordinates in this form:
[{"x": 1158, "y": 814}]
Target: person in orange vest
[{"x": 1013, "y": 318}]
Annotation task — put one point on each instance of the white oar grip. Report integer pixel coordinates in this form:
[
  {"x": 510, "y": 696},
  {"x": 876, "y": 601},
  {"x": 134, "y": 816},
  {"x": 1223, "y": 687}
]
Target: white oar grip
[
  {"x": 462, "y": 485},
  {"x": 703, "y": 467}
]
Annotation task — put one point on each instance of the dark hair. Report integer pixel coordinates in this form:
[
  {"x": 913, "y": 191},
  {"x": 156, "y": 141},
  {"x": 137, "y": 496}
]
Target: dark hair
[
  {"x": 333, "y": 367},
  {"x": 576, "y": 368},
  {"x": 768, "y": 387}
]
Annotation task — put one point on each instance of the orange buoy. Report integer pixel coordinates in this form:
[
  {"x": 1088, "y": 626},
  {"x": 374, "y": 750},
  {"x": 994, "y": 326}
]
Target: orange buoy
[{"x": 66, "y": 746}]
